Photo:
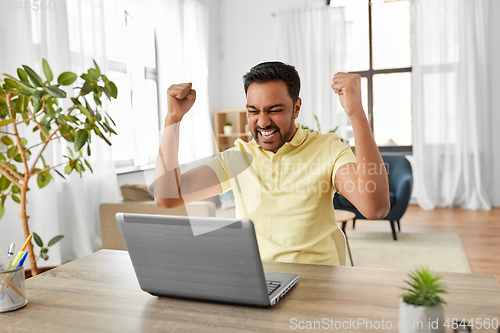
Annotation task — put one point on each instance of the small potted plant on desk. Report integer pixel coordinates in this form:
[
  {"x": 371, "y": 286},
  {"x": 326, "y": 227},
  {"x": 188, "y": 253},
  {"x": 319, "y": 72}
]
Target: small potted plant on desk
[
  {"x": 421, "y": 307},
  {"x": 228, "y": 128}
]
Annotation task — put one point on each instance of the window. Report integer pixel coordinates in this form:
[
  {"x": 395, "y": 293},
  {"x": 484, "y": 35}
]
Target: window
[
  {"x": 379, "y": 49},
  {"x": 131, "y": 54}
]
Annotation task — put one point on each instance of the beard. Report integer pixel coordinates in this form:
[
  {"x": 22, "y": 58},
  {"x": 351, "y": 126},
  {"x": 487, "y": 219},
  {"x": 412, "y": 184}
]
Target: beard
[{"x": 283, "y": 137}]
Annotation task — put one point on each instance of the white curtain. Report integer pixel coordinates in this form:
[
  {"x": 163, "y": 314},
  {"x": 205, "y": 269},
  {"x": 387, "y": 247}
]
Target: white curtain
[
  {"x": 451, "y": 107},
  {"x": 313, "y": 40},
  {"x": 182, "y": 37},
  {"x": 69, "y": 36}
]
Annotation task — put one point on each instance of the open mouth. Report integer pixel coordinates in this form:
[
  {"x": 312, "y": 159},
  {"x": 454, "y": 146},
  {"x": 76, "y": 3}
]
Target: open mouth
[{"x": 268, "y": 135}]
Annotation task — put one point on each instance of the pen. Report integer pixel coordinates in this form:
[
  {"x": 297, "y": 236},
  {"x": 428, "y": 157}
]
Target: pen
[
  {"x": 21, "y": 262},
  {"x": 10, "y": 253},
  {"x": 20, "y": 254},
  {"x": 7, "y": 282},
  {"x": 26, "y": 243}
]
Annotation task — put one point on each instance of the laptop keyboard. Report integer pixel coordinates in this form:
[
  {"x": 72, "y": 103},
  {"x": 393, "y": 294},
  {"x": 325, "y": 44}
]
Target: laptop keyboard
[{"x": 272, "y": 286}]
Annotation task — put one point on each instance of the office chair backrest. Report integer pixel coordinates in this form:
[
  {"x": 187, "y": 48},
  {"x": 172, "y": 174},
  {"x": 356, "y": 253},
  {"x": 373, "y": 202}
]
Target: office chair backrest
[
  {"x": 340, "y": 244},
  {"x": 397, "y": 168}
]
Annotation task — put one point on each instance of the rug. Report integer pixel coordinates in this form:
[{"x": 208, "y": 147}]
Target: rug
[{"x": 442, "y": 252}]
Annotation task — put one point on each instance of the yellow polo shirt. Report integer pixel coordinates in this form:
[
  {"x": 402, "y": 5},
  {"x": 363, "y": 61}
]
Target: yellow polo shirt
[{"x": 287, "y": 195}]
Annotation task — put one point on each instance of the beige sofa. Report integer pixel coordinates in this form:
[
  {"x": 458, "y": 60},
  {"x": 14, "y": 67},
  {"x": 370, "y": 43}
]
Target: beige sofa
[{"x": 111, "y": 235}]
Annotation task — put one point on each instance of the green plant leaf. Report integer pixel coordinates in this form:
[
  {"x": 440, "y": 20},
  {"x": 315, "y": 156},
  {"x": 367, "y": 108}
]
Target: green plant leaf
[
  {"x": 87, "y": 164},
  {"x": 87, "y": 87},
  {"x": 34, "y": 77},
  {"x": 43, "y": 179},
  {"x": 68, "y": 169},
  {"x": 4, "y": 183},
  {"x": 13, "y": 83},
  {"x": 109, "y": 128},
  {"x": 97, "y": 101},
  {"x": 6, "y": 122},
  {"x": 67, "y": 78},
  {"x": 15, "y": 198},
  {"x": 80, "y": 139},
  {"x": 37, "y": 96},
  {"x": 55, "y": 240},
  {"x": 111, "y": 119},
  {"x": 56, "y": 92},
  {"x": 37, "y": 239},
  {"x": 28, "y": 88},
  {"x": 70, "y": 152},
  {"x": 47, "y": 71},
  {"x": 60, "y": 174},
  {"x": 106, "y": 91},
  {"x": 12, "y": 152},
  {"x": 84, "y": 111},
  {"x": 3, "y": 158},
  {"x": 113, "y": 90},
  {"x": 88, "y": 107},
  {"x": 97, "y": 68},
  {"x": 24, "y": 142},
  {"x": 43, "y": 254},
  {"x": 23, "y": 76},
  {"x": 37, "y": 107},
  {"x": 2, "y": 210},
  {"x": 94, "y": 73},
  {"x": 23, "y": 103},
  {"x": 18, "y": 158},
  {"x": 16, "y": 189}
]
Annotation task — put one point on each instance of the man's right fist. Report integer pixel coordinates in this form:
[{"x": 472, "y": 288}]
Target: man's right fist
[{"x": 180, "y": 99}]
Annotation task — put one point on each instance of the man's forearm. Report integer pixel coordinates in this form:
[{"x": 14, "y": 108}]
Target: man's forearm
[
  {"x": 371, "y": 172},
  {"x": 167, "y": 171}
]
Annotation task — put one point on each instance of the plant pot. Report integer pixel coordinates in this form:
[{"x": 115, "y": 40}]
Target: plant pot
[
  {"x": 27, "y": 272},
  {"x": 421, "y": 319},
  {"x": 228, "y": 130}
]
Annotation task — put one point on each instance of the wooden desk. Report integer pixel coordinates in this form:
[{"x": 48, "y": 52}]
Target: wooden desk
[{"x": 100, "y": 293}]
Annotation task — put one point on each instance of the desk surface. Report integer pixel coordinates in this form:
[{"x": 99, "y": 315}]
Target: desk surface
[{"x": 100, "y": 293}]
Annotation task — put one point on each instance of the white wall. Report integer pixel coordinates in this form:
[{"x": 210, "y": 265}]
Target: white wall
[{"x": 248, "y": 37}]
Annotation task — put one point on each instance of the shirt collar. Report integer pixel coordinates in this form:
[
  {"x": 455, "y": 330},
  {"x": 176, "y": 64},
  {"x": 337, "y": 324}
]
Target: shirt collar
[{"x": 299, "y": 136}]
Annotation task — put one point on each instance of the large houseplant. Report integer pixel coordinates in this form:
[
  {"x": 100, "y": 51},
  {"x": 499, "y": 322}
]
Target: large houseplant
[
  {"x": 421, "y": 307},
  {"x": 30, "y": 103}
]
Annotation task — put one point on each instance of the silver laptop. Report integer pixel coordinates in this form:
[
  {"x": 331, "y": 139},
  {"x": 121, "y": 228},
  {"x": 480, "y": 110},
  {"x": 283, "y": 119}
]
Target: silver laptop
[{"x": 221, "y": 265}]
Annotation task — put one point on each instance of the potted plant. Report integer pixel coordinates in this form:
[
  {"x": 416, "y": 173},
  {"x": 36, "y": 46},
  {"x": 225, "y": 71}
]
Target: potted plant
[
  {"x": 30, "y": 103},
  {"x": 228, "y": 128},
  {"x": 421, "y": 307}
]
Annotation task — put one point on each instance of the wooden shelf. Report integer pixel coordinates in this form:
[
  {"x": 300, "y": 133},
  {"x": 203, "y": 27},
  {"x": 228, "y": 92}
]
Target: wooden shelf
[{"x": 238, "y": 119}]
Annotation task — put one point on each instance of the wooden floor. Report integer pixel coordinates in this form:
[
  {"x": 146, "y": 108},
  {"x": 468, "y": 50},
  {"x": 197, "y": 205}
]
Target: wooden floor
[{"x": 478, "y": 230}]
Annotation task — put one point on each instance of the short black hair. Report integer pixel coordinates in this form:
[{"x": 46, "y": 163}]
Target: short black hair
[{"x": 274, "y": 71}]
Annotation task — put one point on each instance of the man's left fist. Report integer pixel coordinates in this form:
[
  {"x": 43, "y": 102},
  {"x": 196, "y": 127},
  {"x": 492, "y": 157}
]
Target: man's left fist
[{"x": 348, "y": 87}]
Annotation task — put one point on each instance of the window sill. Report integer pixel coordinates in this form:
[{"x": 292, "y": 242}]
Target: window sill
[{"x": 124, "y": 169}]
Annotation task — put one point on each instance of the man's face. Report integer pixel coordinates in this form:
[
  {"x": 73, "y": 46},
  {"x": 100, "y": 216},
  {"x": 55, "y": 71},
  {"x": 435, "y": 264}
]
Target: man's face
[{"x": 271, "y": 114}]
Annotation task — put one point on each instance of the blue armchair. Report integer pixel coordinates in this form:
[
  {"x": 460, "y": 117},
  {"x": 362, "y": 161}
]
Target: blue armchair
[{"x": 400, "y": 186}]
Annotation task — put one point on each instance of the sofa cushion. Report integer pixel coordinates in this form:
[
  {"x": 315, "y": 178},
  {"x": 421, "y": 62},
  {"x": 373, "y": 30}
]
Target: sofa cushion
[{"x": 136, "y": 193}]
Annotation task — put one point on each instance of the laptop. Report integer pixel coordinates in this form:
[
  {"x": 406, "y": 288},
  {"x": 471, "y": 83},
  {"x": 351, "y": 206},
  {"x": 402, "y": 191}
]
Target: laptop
[{"x": 221, "y": 265}]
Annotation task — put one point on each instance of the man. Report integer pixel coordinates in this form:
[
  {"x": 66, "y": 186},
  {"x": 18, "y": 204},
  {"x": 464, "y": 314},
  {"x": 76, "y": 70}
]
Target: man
[{"x": 286, "y": 187}]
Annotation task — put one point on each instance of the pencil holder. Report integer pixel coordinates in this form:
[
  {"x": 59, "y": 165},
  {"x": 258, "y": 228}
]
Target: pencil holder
[{"x": 12, "y": 292}]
